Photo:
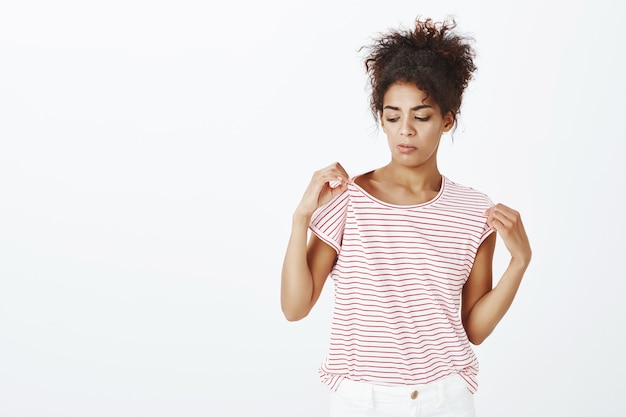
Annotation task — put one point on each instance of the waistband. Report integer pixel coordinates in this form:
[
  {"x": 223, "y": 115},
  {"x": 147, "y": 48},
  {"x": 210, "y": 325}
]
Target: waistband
[{"x": 363, "y": 391}]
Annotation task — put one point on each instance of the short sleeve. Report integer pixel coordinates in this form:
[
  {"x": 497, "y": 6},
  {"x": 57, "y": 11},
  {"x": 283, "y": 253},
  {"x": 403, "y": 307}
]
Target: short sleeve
[
  {"x": 328, "y": 222},
  {"x": 487, "y": 230}
]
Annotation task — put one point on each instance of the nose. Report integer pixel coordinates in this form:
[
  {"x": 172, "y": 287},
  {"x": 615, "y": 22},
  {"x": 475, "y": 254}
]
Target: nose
[{"x": 406, "y": 129}]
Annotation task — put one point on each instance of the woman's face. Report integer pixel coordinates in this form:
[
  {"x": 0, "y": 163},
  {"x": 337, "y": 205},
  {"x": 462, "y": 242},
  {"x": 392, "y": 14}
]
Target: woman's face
[{"x": 413, "y": 124}]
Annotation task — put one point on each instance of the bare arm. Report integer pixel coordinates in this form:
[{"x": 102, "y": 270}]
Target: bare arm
[
  {"x": 304, "y": 273},
  {"x": 307, "y": 265},
  {"x": 483, "y": 306}
]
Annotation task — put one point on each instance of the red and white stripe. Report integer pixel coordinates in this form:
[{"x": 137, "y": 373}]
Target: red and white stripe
[{"x": 398, "y": 280}]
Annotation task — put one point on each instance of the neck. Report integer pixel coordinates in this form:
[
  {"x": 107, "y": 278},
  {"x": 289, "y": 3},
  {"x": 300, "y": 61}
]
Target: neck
[{"x": 420, "y": 178}]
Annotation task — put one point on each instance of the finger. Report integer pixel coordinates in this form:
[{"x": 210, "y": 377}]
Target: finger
[
  {"x": 504, "y": 214},
  {"x": 343, "y": 171},
  {"x": 339, "y": 175},
  {"x": 508, "y": 212},
  {"x": 335, "y": 183},
  {"x": 328, "y": 174},
  {"x": 339, "y": 170}
]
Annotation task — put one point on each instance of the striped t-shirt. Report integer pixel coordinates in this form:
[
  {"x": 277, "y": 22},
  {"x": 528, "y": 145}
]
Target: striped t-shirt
[{"x": 398, "y": 279}]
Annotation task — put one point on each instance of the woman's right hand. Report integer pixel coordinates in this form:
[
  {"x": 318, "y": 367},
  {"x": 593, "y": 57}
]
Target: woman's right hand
[{"x": 320, "y": 191}]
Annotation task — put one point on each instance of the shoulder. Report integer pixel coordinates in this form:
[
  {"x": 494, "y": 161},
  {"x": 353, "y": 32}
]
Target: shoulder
[
  {"x": 466, "y": 195},
  {"x": 469, "y": 204},
  {"x": 333, "y": 209},
  {"x": 363, "y": 179}
]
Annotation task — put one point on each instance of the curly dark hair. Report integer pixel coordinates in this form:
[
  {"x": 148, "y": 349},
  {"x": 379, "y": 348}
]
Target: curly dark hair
[{"x": 437, "y": 60}]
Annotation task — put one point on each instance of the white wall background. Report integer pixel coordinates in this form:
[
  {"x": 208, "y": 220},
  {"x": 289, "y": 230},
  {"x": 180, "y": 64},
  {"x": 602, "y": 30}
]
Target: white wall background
[{"x": 152, "y": 152}]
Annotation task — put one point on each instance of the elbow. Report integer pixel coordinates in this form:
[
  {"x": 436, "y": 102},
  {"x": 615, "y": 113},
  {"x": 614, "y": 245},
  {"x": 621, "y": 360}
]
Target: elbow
[
  {"x": 293, "y": 318},
  {"x": 474, "y": 340},
  {"x": 476, "y": 330},
  {"x": 477, "y": 337},
  {"x": 293, "y": 314}
]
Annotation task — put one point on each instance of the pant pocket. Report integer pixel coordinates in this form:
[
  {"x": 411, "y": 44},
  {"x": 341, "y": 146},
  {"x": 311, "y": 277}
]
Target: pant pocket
[
  {"x": 342, "y": 405},
  {"x": 459, "y": 401}
]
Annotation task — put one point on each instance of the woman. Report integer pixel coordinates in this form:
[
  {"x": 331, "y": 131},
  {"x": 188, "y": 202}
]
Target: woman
[{"x": 409, "y": 250}]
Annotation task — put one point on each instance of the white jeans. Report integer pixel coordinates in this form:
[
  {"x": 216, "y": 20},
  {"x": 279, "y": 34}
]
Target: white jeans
[{"x": 448, "y": 397}]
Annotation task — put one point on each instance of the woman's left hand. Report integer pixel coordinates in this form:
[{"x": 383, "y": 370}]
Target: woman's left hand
[{"x": 508, "y": 223}]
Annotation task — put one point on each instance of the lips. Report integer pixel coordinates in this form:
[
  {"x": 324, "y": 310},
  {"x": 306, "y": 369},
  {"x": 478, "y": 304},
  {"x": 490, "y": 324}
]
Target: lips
[{"x": 404, "y": 148}]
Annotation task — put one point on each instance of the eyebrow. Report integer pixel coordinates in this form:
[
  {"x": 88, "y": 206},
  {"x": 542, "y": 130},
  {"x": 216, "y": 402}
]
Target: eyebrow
[{"x": 416, "y": 108}]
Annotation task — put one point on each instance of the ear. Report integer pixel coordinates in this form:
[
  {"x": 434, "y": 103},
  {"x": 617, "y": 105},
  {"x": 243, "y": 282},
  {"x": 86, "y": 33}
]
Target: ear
[{"x": 448, "y": 122}]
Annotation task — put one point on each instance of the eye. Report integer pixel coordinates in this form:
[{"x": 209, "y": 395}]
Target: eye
[
  {"x": 422, "y": 119},
  {"x": 392, "y": 119}
]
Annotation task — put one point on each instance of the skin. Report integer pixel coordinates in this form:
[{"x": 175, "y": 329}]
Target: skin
[{"x": 413, "y": 124}]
